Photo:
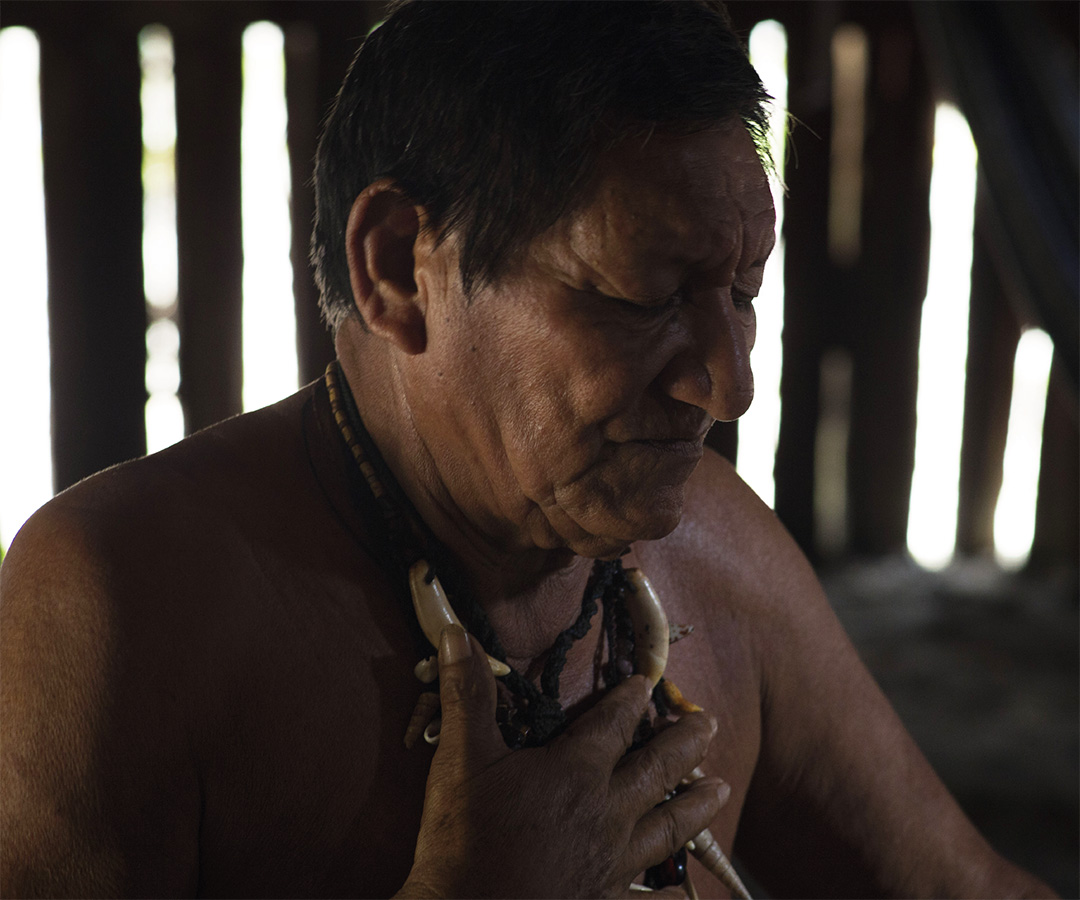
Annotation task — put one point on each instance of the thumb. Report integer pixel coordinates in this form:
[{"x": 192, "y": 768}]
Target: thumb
[{"x": 467, "y": 695}]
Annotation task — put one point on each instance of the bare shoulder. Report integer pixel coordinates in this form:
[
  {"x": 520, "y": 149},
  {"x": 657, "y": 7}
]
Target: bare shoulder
[
  {"x": 183, "y": 637},
  {"x": 730, "y": 545},
  {"x": 106, "y": 596},
  {"x": 837, "y": 782},
  {"x": 88, "y": 725}
]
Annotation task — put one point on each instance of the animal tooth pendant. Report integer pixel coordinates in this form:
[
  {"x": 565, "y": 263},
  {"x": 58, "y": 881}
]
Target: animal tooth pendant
[
  {"x": 425, "y": 712},
  {"x": 433, "y": 610},
  {"x": 651, "y": 632}
]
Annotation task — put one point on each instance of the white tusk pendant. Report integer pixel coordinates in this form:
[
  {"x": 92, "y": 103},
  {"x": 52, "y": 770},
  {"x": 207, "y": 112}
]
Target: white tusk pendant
[
  {"x": 433, "y": 610},
  {"x": 651, "y": 632}
]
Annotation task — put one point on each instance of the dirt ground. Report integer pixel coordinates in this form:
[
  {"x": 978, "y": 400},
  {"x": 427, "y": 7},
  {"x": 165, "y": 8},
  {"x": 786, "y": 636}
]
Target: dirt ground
[{"x": 982, "y": 666}]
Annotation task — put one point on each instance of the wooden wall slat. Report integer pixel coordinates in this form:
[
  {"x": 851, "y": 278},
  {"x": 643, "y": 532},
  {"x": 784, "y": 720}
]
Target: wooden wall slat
[
  {"x": 208, "y": 221},
  {"x": 92, "y": 143},
  {"x": 809, "y": 278},
  {"x": 993, "y": 332},
  {"x": 884, "y": 308},
  {"x": 1057, "y": 513},
  {"x": 303, "y": 49}
]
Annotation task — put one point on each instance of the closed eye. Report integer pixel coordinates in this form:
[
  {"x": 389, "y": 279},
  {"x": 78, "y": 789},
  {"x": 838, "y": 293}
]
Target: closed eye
[
  {"x": 742, "y": 299},
  {"x": 641, "y": 307}
]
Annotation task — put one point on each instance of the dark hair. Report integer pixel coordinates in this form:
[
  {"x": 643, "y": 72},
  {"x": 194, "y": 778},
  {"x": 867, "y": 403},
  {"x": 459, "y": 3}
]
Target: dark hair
[{"x": 491, "y": 115}]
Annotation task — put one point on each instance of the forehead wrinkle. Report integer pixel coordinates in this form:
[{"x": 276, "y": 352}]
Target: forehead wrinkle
[
  {"x": 673, "y": 203},
  {"x": 629, "y": 241}
]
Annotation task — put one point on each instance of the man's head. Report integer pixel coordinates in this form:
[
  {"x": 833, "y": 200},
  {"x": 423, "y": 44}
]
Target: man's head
[
  {"x": 554, "y": 262},
  {"x": 491, "y": 116}
]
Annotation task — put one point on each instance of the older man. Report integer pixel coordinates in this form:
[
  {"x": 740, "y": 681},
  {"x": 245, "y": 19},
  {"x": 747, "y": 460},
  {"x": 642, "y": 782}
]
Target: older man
[{"x": 541, "y": 230}]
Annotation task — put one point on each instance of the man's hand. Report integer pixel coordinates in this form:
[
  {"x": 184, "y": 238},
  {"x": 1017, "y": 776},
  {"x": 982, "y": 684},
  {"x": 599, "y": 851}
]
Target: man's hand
[{"x": 576, "y": 818}]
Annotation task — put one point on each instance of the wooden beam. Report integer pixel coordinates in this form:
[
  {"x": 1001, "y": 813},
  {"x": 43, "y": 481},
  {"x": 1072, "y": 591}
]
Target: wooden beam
[
  {"x": 808, "y": 275},
  {"x": 208, "y": 222},
  {"x": 92, "y": 145},
  {"x": 1057, "y": 512},
  {"x": 993, "y": 332},
  {"x": 885, "y": 309},
  {"x": 314, "y": 348}
]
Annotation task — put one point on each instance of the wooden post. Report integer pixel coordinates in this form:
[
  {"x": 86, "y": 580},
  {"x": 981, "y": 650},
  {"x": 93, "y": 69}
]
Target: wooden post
[
  {"x": 92, "y": 144},
  {"x": 884, "y": 312},
  {"x": 1057, "y": 512},
  {"x": 808, "y": 275},
  {"x": 303, "y": 50},
  {"x": 993, "y": 333},
  {"x": 208, "y": 224}
]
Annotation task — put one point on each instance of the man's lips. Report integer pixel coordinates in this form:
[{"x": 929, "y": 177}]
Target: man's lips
[
  {"x": 678, "y": 446},
  {"x": 679, "y": 434}
]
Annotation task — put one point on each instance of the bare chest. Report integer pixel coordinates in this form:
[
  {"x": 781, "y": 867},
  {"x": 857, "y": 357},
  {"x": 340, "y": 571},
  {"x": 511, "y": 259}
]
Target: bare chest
[{"x": 308, "y": 787}]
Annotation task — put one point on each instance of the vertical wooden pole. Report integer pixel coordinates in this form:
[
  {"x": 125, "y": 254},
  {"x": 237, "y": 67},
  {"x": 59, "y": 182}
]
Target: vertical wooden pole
[
  {"x": 1057, "y": 512},
  {"x": 885, "y": 312},
  {"x": 208, "y": 223},
  {"x": 92, "y": 144},
  {"x": 314, "y": 348},
  {"x": 992, "y": 337},
  {"x": 808, "y": 277}
]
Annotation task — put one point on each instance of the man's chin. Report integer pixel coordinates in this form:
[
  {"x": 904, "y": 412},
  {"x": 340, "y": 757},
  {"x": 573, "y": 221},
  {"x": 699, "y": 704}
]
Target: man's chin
[
  {"x": 610, "y": 540},
  {"x": 601, "y": 517}
]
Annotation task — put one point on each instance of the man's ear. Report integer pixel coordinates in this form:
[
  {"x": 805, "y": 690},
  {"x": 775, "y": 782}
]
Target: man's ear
[{"x": 380, "y": 239}]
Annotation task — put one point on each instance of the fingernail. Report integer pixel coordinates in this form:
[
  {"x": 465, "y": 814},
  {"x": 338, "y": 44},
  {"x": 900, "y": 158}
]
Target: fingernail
[
  {"x": 723, "y": 792},
  {"x": 714, "y": 726},
  {"x": 455, "y": 644}
]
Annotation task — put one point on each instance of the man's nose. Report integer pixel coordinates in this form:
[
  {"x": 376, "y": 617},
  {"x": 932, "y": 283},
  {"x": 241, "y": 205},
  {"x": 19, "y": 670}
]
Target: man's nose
[{"x": 712, "y": 370}]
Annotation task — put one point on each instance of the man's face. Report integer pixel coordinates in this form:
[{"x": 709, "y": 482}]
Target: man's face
[{"x": 567, "y": 404}]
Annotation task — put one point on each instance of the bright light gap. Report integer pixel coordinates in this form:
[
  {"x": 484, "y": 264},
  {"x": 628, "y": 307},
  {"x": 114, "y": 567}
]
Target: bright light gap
[
  {"x": 1014, "y": 515},
  {"x": 164, "y": 414},
  {"x": 759, "y": 429},
  {"x": 943, "y": 342},
  {"x": 26, "y": 477},
  {"x": 271, "y": 371}
]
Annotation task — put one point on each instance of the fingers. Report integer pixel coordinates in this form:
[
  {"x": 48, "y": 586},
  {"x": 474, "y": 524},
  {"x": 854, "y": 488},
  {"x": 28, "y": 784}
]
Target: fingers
[
  {"x": 646, "y": 776},
  {"x": 667, "y": 827},
  {"x": 608, "y": 728},
  {"x": 467, "y": 695}
]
